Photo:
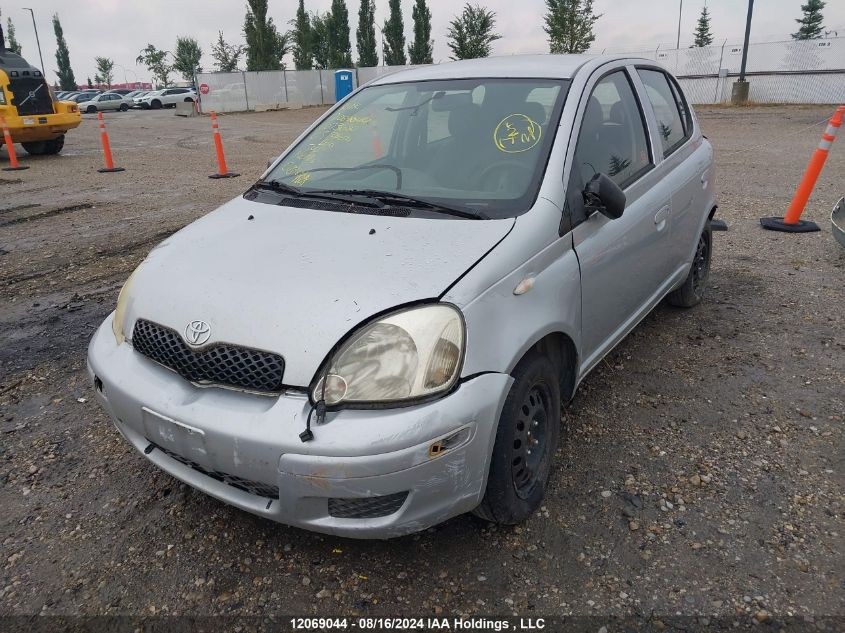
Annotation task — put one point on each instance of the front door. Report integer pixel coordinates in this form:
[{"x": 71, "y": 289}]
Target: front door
[{"x": 624, "y": 262}]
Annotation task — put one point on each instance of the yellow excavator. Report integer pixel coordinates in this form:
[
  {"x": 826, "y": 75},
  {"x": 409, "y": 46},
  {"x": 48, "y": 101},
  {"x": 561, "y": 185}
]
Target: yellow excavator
[{"x": 35, "y": 119}]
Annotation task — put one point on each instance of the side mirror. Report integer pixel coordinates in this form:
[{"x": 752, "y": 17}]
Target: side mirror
[{"x": 605, "y": 196}]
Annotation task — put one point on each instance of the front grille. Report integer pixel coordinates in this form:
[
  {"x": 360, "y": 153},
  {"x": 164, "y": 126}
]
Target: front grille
[
  {"x": 247, "y": 485},
  {"x": 31, "y": 95},
  {"x": 366, "y": 507},
  {"x": 218, "y": 364}
]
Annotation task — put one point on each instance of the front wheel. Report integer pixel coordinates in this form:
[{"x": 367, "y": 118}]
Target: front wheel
[
  {"x": 526, "y": 441},
  {"x": 45, "y": 148},
  {"x": 155, "y": 105},
  {"x": 91, "y": 109},
  {"x": 692, "y": 291}
]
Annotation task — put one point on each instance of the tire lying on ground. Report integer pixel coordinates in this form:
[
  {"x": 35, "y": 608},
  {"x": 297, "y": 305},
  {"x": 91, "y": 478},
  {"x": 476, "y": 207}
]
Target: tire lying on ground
[{"x": 40, "y": 148}]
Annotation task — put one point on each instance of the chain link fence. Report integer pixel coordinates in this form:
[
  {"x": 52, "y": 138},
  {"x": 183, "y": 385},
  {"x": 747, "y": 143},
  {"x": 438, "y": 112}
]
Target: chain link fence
[{"x": 810, "y": 71}]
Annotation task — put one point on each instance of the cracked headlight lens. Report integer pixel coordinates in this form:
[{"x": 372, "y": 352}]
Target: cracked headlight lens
[{"x": 405, "y": 356}]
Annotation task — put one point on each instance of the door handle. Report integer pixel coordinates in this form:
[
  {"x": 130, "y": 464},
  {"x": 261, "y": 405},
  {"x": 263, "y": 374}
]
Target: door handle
[{"x": 660, "y": 218}]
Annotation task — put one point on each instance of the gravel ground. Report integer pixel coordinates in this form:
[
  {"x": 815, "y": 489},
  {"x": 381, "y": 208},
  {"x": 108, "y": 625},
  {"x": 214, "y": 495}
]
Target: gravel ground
[{"x": 702, "y": 471}]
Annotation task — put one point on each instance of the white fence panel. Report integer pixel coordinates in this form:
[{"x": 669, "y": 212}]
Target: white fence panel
[
  {"x": 265, "y": 89},
  {"x": 304, "y": 87},
  {"x": 226, "y": 92}
]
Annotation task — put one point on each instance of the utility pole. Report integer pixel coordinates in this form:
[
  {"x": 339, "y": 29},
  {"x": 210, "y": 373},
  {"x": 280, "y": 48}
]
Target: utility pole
[
  {"x": 739, "y": 92},
  {"x": 680, "y": 12},
  {"x": 37, "y": 41}
]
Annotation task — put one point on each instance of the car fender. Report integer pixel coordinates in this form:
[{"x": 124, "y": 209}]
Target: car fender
[{"x": 528, "y": 287}]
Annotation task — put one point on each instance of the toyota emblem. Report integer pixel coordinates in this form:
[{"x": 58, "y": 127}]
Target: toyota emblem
[{"x": 197, "y": 332}]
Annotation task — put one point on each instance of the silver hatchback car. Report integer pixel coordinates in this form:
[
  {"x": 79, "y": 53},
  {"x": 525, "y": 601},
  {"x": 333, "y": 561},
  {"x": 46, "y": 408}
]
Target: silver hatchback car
[{"x": 380, "y": 333}]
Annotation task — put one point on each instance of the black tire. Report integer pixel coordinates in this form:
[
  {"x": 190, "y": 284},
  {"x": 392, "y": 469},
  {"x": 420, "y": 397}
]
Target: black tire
[
  {"x": 45, "y": 148},
  {"x": 692, "y": 291},
  {"x": 123, "y": 107},
  {"x": 526, "y": 441},
  {"x": 189, "y": 100},
  {"x": 35, "y": 148},
  {"x": 91, "y": 109},
  {"x": 156, "y": 104}
]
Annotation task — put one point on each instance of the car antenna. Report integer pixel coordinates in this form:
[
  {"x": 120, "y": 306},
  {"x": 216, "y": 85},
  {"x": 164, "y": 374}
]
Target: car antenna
[{"x": 320, "y": 407}]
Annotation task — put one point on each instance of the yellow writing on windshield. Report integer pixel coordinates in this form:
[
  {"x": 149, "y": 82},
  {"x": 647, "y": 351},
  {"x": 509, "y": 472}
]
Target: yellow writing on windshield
[{"x": 517, "y": 133}]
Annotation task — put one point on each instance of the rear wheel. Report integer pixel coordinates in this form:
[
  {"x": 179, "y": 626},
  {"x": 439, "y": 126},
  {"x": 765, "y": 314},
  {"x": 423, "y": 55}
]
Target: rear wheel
[
  {"x": 123, "y": 107},
  {"x": 156, "y": 104},
  {"x": 692, "y": 291},
  {"x": 526, "y": 440}
]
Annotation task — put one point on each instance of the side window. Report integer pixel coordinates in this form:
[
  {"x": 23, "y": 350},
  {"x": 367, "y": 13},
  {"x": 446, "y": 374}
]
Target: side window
[
  {"x": 612, "y": 139},
  {"x": 672, "y": 126}
]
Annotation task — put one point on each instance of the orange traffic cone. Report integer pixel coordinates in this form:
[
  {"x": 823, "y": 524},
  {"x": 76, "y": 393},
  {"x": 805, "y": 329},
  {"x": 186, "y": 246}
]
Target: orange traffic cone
[
  {"x": 14, "y": 165},
  {"x": 223, "y": 171},
  {"x": 792, "y": 222},
  {"x": 104, "y": 137}
]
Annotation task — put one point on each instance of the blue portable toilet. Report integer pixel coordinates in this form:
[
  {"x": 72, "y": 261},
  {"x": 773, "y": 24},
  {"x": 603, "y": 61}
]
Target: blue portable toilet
[{"x": 342, "y": 83}]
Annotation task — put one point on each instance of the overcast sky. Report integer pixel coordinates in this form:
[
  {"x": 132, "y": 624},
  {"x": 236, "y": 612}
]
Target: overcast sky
[{"x": 119, "y": 29}]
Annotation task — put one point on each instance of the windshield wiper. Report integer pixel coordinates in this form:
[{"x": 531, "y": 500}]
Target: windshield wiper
[
  {"x": 341, "y": 196},
  {"x": 390, "y": 197},
  {"x": 387, "y": 166}
]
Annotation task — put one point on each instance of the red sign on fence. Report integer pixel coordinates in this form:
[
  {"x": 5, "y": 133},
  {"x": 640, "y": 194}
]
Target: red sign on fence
[{"x": 204, "y": 89}]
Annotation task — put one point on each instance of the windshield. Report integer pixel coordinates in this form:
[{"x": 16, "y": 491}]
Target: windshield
[{"x": 477, "y": 144}]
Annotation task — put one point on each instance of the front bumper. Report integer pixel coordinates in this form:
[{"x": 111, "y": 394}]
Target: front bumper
[
  {"x": 39, "y": 127},
  {"x": 245, "y": 449}
]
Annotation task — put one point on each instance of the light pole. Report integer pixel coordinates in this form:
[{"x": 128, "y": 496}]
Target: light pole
[
  {"x": 739, "y": 92},
  {"x": 680, "y": 12},
  {"x": 37, "y": 41},
  {"x": 125, "y": 80}
]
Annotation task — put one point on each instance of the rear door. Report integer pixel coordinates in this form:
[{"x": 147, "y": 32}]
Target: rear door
[
  {"x": 683, "y": 172},
  {"x": 623, "y": 262}
]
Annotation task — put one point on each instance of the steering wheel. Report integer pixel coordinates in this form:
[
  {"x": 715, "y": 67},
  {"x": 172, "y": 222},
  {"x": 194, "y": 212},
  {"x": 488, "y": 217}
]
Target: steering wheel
[{"x": 498, "y": 175}]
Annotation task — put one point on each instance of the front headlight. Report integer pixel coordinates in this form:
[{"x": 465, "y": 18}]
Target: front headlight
[
  {"x": 118, "y": 322},
  {"x": 404, "y": 356}
]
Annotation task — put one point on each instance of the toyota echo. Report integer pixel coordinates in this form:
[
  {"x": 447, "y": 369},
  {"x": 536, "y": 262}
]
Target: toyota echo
[{"x": 380, "y": 333}]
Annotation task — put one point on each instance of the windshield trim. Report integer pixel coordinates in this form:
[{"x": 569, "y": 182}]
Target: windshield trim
[{"x": 515, "y": 206}]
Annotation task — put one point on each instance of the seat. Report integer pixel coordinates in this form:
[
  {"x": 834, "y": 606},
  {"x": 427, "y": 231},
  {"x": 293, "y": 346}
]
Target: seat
[{"x": 453, "y": 162}]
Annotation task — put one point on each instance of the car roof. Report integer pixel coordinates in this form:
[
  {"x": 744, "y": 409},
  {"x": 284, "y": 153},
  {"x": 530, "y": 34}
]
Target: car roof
[{"x": 525, "y": 66}]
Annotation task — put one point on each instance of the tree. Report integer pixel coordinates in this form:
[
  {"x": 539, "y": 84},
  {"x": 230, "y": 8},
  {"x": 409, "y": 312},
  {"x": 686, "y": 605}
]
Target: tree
[
  {"x": 12, "y": 44},
  {"x": 265, "y": 46},
  {"x": 471, "y": 33},
  {"x": 569, "y": 25},
  {"x": 156, "y": 62},
  {"x": 320, "y": 40},
  {"x": 811, "y": 24},
  {"x": 105, "y": 71},
  {"x": 187, "y": 58},
  {"x": 90, "y": 83},
  {"x": 65, "y": 73},
  {"x": 422, "y": 50},
  {"x": 366, "y": 34},
  {"x": 226, "y": 55},
  {"x": 703, "y": 36},
  {"x": 340, "y": 49},
  {"x": 394, "y": 36},
  {"x": 301, "y": 35}
]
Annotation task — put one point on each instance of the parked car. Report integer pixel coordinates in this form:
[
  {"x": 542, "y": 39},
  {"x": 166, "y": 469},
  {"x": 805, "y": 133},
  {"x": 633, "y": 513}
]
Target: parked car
[
  {"x": 411, "y": 292},
  {"x": 167, "y": 98},
  {"x": 103, "y": 102},
  {"x": 131, "y": 95},
  {"x": 80, "y": 97},
  {"x": 120, "y": 91}
]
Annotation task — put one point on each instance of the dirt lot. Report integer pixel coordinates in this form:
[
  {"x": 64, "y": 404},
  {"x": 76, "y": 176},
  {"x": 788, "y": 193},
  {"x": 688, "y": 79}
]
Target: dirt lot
[{"x": 703, "y": 471}]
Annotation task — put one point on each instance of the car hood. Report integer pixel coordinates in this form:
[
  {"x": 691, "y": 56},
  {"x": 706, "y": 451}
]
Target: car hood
[{"x": 295, "y": 281}]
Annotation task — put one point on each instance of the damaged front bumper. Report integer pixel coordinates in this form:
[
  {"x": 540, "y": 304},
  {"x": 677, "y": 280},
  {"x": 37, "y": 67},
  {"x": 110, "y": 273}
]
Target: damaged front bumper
[{"x": 367, "y": 474}]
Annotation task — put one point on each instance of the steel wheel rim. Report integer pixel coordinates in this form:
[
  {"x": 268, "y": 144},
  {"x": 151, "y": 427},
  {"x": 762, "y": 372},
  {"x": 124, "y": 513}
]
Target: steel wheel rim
[
  {"x": 699, "y": 266},
  {"x": 529, "y": 443}
]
